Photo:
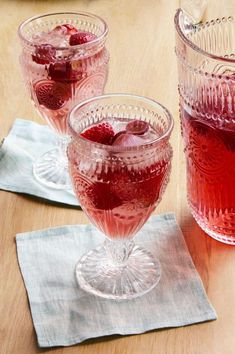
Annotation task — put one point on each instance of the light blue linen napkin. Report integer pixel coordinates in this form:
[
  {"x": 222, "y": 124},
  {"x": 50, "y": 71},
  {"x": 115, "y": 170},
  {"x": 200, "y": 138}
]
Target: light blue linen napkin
[
  {"x": 26, "y": 141},
  {"x": 63, "y": 314}
]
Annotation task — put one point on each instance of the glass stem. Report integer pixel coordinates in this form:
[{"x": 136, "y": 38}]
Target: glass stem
[
  {"x": 62, "y": 144},
  {"x": 119, "y": 251}
]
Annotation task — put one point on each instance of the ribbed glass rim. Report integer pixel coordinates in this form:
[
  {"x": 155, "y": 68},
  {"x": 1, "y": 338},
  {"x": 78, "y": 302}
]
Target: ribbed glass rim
[
  {"x": 179, "y": 12},
  {"x": 92, "y": 42},
  {"x": 165, "y": 134}
]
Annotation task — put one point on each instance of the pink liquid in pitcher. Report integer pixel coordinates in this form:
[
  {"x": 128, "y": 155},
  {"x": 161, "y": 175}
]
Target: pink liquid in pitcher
[
  {"x": 58, "y": 79},
  {"x": 119, "y": 197},
  {"x": 209, "y": 135}
]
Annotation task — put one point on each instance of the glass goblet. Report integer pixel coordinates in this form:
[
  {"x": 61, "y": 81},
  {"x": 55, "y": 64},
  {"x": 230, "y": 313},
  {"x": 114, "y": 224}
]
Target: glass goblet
[
  {"x": 64, "y": 61},
  {"x": 119, "y": 182}
]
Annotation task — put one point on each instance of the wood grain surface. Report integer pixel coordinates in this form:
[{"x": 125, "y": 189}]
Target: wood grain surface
[{"x": 141, "y": 45}]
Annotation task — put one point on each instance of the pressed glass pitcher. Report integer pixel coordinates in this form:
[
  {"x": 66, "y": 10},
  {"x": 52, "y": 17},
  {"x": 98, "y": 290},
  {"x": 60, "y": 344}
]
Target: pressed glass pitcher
[{"x": 206, "y": 68}]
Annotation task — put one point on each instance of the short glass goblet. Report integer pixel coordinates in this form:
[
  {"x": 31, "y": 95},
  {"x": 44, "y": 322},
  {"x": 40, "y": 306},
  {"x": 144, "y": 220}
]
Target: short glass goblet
[
  {"x": 64, "y": 61},
  {"x": 119, "y": 183}
]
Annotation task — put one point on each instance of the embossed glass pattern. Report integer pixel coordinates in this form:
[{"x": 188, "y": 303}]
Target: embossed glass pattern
[
  {"x": 59, "y": 75},
  {"x": 206, "y": 65},
  {"x": 119, "y": 187}
]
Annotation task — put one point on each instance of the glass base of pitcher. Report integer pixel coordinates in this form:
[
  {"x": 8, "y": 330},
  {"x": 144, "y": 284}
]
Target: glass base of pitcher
[{"x": 219, "y": 236}]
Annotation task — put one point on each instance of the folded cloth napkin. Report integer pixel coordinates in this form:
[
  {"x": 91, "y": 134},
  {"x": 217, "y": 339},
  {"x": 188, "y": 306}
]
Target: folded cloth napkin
[
  {"x": 63, "y": 314},
  {"x": 27, "y": 141}
]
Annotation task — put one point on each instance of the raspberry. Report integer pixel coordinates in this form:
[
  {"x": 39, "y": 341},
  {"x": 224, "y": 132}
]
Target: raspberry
[
  {"x": 81, "y": 38},
  {"x": 94, "y": 195},
  {"x": 140, "y": 187},
  {"x": 52, "y": 95},
  {"x": 62, "y": 71},
  {"x": 102, "y": 197},
  {"x": 44, "y": 54},
  {"x": 101, "y": 133},
  {"x": 70, "y": 28},
  {"x": 137, "y": 127}
]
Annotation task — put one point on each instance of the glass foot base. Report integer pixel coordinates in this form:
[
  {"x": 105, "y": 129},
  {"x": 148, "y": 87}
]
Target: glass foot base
[
  {"x": 51, "y": 170},
  {"x": 97, "y": 273}
]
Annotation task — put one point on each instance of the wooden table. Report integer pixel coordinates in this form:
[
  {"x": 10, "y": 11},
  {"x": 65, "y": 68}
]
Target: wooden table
[{"x": 141, "y": 44}]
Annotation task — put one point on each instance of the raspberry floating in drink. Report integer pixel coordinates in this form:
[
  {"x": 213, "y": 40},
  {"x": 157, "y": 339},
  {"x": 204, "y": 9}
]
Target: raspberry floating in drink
[
  {"x": 137, "y": 127},
  {"x": 44, "y": 54},
  {"x": 102, "y": 133},
  {"x": 52, "y": 95},
  {"x": 62, "y": 71},
  {"x": 81, "y": 38}
]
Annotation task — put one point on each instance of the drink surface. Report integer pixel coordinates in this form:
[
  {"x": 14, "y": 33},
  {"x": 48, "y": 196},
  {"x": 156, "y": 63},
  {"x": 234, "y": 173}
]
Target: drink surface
[
  {"x": 210, "y": 152},
  {"x": 120, "y": 191},
  {"x": 59, "y": 75}
]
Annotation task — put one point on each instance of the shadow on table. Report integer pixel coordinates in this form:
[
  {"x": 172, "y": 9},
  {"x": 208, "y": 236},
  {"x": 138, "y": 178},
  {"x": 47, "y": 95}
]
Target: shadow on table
[{"x": 207, "y": 254}]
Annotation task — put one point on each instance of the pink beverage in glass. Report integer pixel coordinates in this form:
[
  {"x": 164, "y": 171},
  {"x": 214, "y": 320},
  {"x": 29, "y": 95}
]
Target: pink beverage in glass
[
  {"x": 64, "y": 61},
  {"x": 67, "y": 63},
  {"x": 119, "y": 161},
  {"x": 119, "y": 198},
  {"x": 207, "y": 101}
]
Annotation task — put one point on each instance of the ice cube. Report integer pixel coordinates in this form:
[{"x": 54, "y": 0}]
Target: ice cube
[
  {"x": 54, "y": 38},
  {"x": 150, "y": 136},
  {"x": 127, "y": 139},
  {"x": 40, "y": 38},
  {"x": 61, "y": 30},
  {"x": 117, "y": 124}
]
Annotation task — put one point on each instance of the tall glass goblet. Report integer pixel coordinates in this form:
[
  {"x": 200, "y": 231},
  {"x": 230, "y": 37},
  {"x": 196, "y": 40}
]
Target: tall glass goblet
[
  {"x": 119, "y": 162},
  {"x": 64, "y": 61}
]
